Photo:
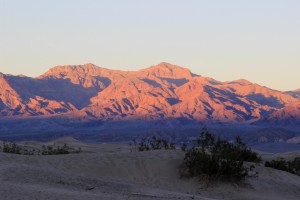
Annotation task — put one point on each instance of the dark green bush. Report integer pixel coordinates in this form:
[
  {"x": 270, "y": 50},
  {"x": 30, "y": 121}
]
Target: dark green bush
[
  {"x": 48, "y": 150},
  {"x": 218, "y": 159},
  {"x": 153, "y": 143},
  {"x": 283, "y": 165},
  {"x": 234, "y": 151},
  {"x": 183, "y": 146},
  {"x": 295, "y": 165},
  {"x": 11, "y": 148}
]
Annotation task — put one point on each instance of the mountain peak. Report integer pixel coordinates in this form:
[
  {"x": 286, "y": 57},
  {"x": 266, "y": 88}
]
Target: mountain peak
[
  {"x": 74, "y": 67},
  {"x": 61, "y": 71},
  {"x": 297, "y": 90},
  {"x": 241, "y": 82},
  {"x": 167, "y": 70},
  {"x": 166, "y": 65}
]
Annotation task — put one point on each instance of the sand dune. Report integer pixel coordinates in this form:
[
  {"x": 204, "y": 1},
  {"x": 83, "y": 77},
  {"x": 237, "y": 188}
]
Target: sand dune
[{"x": 107, "y": 171}]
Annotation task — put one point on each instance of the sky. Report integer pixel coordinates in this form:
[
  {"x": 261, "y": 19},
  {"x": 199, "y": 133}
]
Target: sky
[{"x": 258, "y": 40}]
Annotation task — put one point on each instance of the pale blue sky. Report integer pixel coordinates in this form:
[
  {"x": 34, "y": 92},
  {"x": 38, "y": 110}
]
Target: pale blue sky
[{"x": 258, "y": 40}]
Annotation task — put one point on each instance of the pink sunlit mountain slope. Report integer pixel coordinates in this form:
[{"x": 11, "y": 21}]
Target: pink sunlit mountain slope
[
  {"x": 160, "y": 92},
  {"x": 295, "y": 93}
]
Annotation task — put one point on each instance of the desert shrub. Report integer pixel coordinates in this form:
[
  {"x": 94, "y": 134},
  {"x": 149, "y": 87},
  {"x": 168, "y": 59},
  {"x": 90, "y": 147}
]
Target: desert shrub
[
  {"x": 279, "y": 164},
  {"x": 49, "y": 150},
  {"x": 133, "y": 145},
  {"x": 11, "y": 148},
  {"x": 144, "y": 145},
  {"x": 65, "y": 149},
  {"x": 183, "y": 146},
  {"x": 295, "y": 165},
  {"x": 26, "y": 151},
  {"x": 218, "y": 159},
  {"x": 234, "y": 151},
  {"x": 172, "y": 146},
  {"x": 283, "y": 165},
  {"x": 79, "y": 150},
  {"x": 153, "y": 143}
]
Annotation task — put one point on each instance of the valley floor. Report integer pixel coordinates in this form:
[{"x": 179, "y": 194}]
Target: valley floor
[{"x": 106, "y": 171}]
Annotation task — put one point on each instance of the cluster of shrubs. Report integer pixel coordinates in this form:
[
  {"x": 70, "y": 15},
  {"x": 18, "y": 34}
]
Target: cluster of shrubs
[
  {"x": 65, "y": 149},
  {"x": 218, "y": 159},
  {"x": 288, "y": 166},
  {"x": 153, "y": 143},
  {"x": 11, "y": 147}
]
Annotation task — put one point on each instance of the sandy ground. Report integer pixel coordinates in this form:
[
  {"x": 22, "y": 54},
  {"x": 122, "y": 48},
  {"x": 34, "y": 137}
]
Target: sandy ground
[{"x": 105, "y": 171}]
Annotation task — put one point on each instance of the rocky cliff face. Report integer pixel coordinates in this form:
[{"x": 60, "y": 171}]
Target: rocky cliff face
[{"x": 163, "y": 91}]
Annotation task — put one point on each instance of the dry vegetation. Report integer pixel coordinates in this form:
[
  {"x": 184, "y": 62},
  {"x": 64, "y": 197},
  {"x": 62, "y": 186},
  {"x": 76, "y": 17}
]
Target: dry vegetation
[
  {"x": 292, "y": 166},
  {"x": 12, "y": 147}
]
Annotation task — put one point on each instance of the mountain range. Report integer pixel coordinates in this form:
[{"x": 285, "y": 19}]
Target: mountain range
[{"x": 160, "y": 92}]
